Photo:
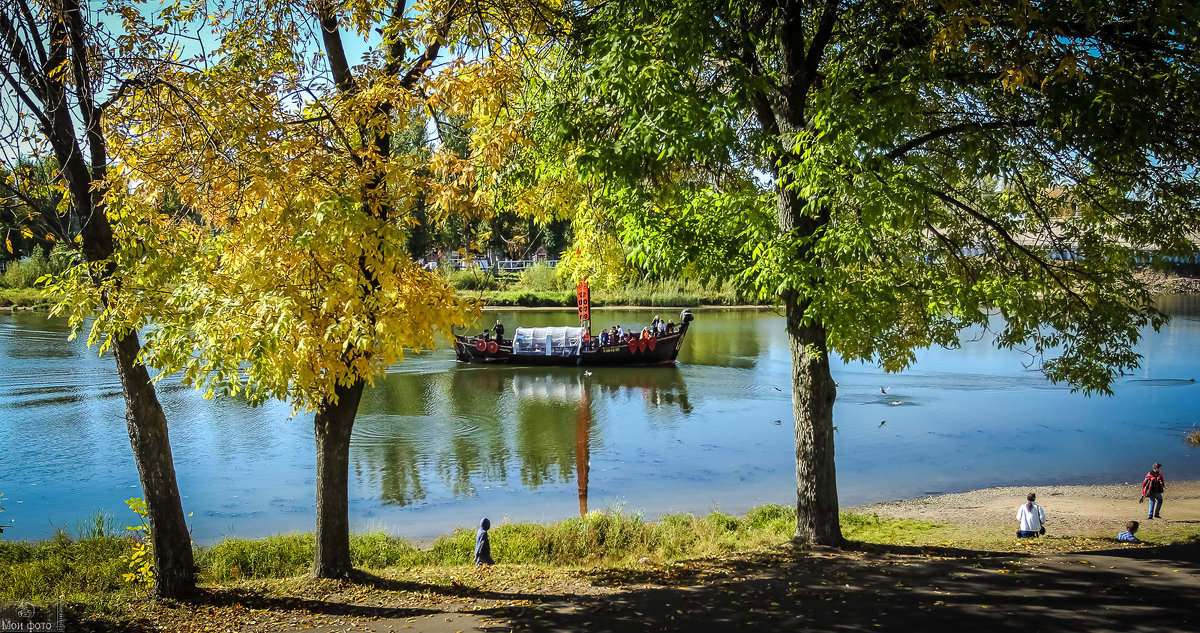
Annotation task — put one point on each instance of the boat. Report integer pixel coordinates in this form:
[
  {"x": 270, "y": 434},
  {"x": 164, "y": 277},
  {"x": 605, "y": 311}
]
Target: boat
[{"x": 570, "y": 345}]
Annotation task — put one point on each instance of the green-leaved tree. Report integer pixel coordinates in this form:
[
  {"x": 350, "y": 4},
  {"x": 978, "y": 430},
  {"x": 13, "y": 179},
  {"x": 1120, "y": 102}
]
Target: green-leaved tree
[{"x": 893, "y": 171}]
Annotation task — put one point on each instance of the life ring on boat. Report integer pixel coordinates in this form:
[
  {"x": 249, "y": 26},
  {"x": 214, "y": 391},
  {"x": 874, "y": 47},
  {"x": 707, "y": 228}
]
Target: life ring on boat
[
  {"x": 481, "y": 345},
  {"x": 492, "y": 347},
  {"x": 651, "y": 342}
]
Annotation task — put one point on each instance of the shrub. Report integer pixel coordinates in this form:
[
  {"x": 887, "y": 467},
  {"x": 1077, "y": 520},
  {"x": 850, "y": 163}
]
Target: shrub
[
  {"x": 24, "y": 272},
  {"x": 473, "y": 279},
  {"x": 540, "y": 277}
]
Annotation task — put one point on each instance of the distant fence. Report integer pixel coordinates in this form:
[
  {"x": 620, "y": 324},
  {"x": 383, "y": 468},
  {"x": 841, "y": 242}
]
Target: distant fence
[{"x": 503, "y": 265}]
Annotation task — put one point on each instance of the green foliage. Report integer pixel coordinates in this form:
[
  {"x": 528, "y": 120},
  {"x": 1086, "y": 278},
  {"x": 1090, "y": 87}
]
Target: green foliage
[
  {"x": 925, "y": 170},
  {"x": 140, "y": 559}
]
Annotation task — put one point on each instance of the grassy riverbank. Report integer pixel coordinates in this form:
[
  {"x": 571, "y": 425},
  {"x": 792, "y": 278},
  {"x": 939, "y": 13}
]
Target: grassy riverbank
[
  {"x": 86, "y": 573},
  {"x": 25, "y": 298}
]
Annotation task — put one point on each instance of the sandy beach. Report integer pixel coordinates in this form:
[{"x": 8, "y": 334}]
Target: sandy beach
[{"x": 1070, "y": 510}]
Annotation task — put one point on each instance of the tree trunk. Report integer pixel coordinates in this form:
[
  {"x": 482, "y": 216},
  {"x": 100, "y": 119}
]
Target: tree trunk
[
  {"x": 174, "y": 571},
  {"x": 813, "y": 393},
  {"x": 332, "y": 426}
]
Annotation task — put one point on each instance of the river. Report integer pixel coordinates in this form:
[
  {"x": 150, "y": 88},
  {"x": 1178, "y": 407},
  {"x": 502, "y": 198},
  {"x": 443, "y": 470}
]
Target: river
[{"x": 438, "y": 444}]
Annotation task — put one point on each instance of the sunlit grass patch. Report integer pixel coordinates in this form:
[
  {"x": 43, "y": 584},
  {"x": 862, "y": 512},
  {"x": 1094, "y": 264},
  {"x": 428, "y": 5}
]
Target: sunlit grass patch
[
  {"x": 870, "y": 528},
  {"x": 25, "y": 298}
]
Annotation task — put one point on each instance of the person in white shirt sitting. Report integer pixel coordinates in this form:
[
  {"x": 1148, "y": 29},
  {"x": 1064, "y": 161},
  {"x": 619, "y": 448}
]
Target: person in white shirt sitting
[{"x": 1031, "y": 519}]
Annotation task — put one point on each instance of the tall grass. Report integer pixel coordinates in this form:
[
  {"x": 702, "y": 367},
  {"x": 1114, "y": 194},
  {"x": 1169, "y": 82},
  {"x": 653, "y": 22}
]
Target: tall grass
[
  {"x": 671, "y": 292},
  {"x": 98, "y": 524},
  {"x": 93, "y": 565},
  {"x": 611, "y": 537},
  {"x": 292, "y": 554},
  {"x": 61, "y": 567}
]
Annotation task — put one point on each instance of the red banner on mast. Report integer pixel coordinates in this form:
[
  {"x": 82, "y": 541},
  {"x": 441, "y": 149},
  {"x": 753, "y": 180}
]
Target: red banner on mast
[{"x": 583, "y": 298}]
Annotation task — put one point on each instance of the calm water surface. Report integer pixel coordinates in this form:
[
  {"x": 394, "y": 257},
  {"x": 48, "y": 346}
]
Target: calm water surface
[{"x": 438, "y": 444}]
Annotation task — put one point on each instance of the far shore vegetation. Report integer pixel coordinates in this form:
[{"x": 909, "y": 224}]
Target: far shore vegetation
[
  {"x": 19, "y": 280},
  {"x": 542, "y": 286},
  {"x": 88, "y": 568},
  {"x": 537, "y": 286}
]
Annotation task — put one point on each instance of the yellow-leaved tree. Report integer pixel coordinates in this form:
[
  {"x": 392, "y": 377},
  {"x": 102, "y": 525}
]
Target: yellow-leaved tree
[
  {"x": 285, "y": 274},
  {"x": 64, "y": 69}
]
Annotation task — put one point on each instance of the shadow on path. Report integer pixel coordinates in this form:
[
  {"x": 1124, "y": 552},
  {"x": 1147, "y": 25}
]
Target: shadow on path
[{"x": 890, "y": 588}]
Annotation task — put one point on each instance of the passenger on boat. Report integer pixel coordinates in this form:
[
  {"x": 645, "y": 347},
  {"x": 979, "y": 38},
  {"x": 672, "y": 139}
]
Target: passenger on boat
[
  {"x": 603, "y": 338},
  {"x": 670, "y": 327},
  {"x": 499, "y": 330}
]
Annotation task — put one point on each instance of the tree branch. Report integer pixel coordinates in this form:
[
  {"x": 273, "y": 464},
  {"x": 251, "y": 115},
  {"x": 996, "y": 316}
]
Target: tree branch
[
  {"x": 816, "y": 50},
  {"x": 919, "y": 141},
  {"x": 1007, "y": 238}
]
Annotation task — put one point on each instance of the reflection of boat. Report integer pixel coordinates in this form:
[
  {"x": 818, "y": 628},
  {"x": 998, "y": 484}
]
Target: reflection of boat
[{"x": 571, "y": 346}]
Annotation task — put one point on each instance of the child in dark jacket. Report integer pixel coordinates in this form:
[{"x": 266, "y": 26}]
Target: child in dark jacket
[{"x": 483, "y": 548}]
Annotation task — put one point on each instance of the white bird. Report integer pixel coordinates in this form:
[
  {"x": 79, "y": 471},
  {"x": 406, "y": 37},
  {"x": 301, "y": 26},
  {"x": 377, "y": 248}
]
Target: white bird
[
  {"x": 883, "y": 390},
  {"x": 587, "y": 373}
]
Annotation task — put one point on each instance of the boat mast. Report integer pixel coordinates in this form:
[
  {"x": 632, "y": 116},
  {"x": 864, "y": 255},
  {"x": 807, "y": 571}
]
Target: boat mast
[{"x": 583, "y": 299}]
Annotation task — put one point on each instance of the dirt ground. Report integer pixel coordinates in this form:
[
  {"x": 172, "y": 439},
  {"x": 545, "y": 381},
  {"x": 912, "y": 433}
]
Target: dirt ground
[
  {"x": 1070, "y": 510},
  {"x": 1119, "y": 588}
]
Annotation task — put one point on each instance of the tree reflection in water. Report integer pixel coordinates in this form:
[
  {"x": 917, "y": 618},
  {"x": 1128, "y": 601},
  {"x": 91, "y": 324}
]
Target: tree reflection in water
[{"x": 467, "y": 426}]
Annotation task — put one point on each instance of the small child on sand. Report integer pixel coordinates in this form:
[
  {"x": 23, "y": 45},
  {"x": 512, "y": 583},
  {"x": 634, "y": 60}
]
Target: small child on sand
[{"x": 1127, "y": 536}]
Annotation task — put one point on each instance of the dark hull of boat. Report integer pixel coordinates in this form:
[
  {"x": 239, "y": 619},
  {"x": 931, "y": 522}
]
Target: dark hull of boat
[{"x": 664, "y": 351}]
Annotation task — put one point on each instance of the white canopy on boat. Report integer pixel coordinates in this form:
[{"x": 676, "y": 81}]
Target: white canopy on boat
[{"x": 548, "y": 341}]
